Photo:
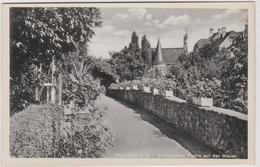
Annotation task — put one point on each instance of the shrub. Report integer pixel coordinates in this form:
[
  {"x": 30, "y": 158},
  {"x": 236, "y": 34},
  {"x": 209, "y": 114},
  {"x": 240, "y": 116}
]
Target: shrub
[
  {"x": 82, "y": 92},
  {"x": 40, "y": 131},
  {"x": 204, "y": 88},
  {"x": 159, "y": 83},
  {"x": 85, "y": 139},
  {"x": 32, "y": 131}
]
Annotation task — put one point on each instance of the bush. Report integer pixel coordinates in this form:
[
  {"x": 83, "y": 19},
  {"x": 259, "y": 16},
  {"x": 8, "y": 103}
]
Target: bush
[
  {"x": 85, "y": 139},
  {"x": 40, "y": 131},
  {"x": 82, "y": 92},
  {"x": 159, "y": 83},
  {"x": 204, "y": 88},
  {"x": 32, "y": 131}
]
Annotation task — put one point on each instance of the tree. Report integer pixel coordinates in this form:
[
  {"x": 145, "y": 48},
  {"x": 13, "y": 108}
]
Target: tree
[
  {"x": 146, "y": 50},
  {"x": 104, "y": 72},
  {"x": 37, "y": 36},
  {"x": 207, "y": 62},
  {"x": 132, "y": 62},
  {"x": 229, "y": 65},
  {"x": 127, "y": 65},
  {"x": 134, "y": 44},
  {"x": 236, "y": 76}
]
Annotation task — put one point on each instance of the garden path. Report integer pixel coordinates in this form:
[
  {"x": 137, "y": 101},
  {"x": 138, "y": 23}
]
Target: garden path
[{"x": 140, "y": 134}]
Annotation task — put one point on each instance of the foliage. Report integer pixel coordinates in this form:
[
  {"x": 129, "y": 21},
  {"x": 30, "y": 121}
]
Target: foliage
[
  {"x": 104, "y": 72},
  {"x": 229, "y": 65},
  {"x": 208, "y": 62},
  {"x": 132, "y": 62},
  {"x": 40, "y": 132},
  {"x": 161, "y": 83},
  {"x": 127, "y": 64},
  {"x": 236, "y": 76},
  {"x": 134, "y": 44},
  {"x": 39, "y": 34},
  {"x": 204, "y": 88},
  {"x": 82, "y": 92},
  {"x": 21, "y": 94},
  {"x": 79, "y": 87},
  {"x": 32, "y": 131},
  {"x": 87, "y": 138},
  {"x": 146, "y": 50}
]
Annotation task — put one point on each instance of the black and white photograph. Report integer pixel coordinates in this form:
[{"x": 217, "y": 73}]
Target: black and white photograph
[{"x": 136, "y": 81}]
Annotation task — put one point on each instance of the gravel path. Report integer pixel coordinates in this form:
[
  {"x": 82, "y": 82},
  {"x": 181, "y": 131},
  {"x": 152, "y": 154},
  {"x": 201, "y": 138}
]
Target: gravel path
[{"x": 140, "y": 134}]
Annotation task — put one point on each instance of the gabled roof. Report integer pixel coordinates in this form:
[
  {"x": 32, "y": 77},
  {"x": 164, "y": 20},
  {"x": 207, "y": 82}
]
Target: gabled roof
[
  {"x": 234, "y": 35},
  {"x": 169, "y": 55},
  {"x": 214, "y": 38},
  {"x": 202, "y": 42}
]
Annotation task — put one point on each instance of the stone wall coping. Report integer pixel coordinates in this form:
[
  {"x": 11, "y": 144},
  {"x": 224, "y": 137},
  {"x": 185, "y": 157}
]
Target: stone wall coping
[
  {"x": 227, "y": 112},
  {"x": 215, "y": 109},
  {"x": 174, "y": 98}
]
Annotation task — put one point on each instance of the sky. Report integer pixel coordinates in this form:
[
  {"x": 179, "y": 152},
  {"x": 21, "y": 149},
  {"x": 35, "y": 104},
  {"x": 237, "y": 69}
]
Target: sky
[{"x": 168, "y": 24}]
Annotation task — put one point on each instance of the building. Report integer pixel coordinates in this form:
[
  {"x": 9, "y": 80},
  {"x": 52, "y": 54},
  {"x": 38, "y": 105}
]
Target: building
[
  {"x": 164, "y": 58},
  {"x": 221, "y": 38}
]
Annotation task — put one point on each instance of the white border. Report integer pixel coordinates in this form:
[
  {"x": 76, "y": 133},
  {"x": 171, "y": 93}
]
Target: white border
[{"x": 67, "y": 162}]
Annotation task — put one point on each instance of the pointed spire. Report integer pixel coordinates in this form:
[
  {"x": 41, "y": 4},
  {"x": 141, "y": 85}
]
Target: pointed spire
[{"x": 158, "y": 52}]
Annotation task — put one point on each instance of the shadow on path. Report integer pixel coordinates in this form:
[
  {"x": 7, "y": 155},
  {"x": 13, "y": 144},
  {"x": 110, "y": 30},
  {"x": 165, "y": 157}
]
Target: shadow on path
[{"x": 166, "y": 129}]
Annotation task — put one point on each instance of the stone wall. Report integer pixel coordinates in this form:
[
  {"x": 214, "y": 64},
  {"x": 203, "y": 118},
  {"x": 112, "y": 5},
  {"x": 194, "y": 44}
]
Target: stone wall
[{"x": 221, "y": 129}]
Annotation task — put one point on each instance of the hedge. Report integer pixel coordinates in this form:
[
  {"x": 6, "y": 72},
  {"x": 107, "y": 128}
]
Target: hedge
[{"x": 40, "y": 131}]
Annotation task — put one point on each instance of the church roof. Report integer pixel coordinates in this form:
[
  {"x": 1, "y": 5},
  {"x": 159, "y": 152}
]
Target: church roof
[
  {"x": 169, "y": 55},
  {"x": 158, "y": 57}
]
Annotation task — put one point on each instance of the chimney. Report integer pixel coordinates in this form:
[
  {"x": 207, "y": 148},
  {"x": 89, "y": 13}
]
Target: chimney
[
  {"x": 223, "y": 31},
  {"x": 219, "y": 32},
  {"x": 211, "y": 31}
]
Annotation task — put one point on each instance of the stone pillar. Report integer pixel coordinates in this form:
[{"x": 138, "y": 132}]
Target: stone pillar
[
  {"x": 48, "y": 94},
  {"x": 60, "y": 90},
  {"x": 53, "y": 94}
]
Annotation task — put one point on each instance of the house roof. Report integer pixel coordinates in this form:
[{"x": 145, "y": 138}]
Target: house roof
[
  {"x": 169, "y": 55},
  {"x": 202, "y": 42},
  {"x": 234, "y": 35},
  {"x": 214, "y": 38}
]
